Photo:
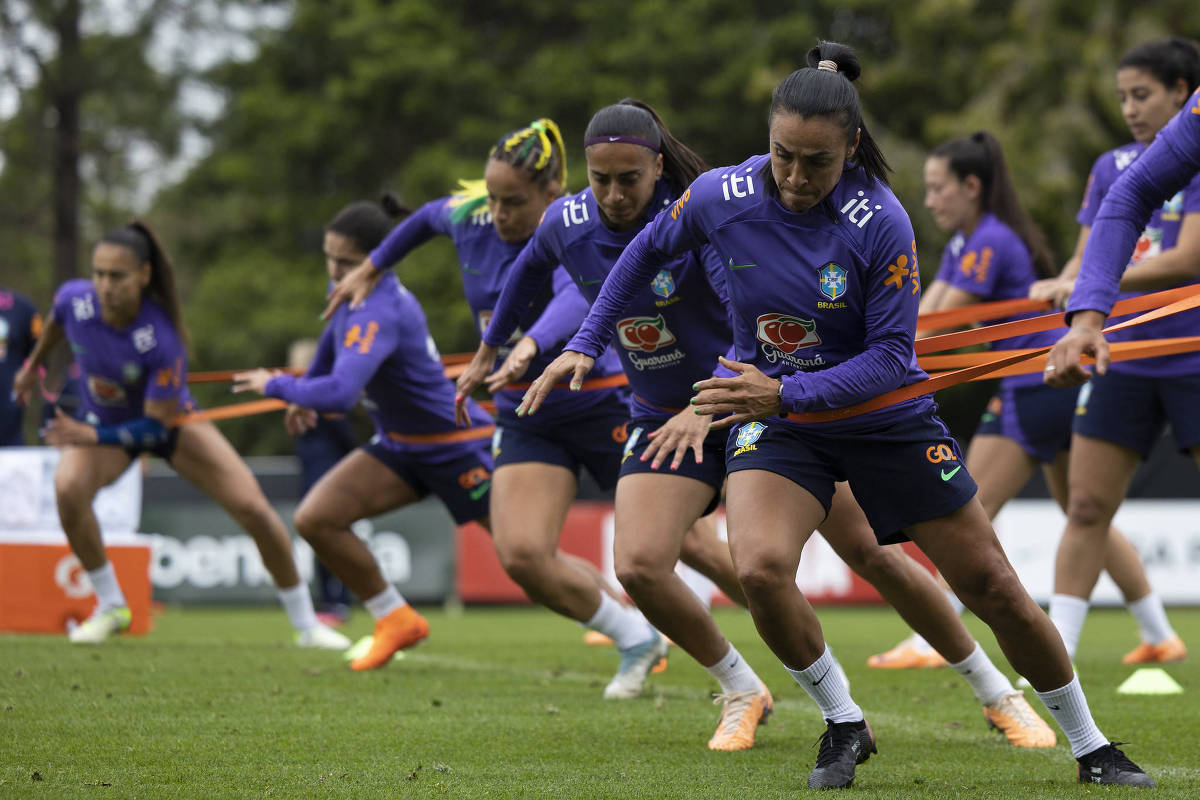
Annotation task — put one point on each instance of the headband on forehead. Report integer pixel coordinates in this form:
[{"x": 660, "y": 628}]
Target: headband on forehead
[{"x": 626, "y": 139}]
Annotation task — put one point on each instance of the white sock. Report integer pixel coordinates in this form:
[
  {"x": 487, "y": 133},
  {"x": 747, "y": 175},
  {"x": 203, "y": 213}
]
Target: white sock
[
  {"x": 385, "y": 602},
  {"x": 955, "y": 603},
  {"x": 1151, "y": 619},
  {"x": 298, "y": 604},
  {"x": 988, "y": 683},
  {"x": 831, "y": 696},
  {"x": 734, "y": 673},
  {"x": 1070, "y": 710},
  {"x": 624, "y": 625},
  {"x": 700, "y": 585},
  {"x": 1068, "y": 612},
  {"x": 108, "y": 590},
  {"x": 919, "y": 642}
]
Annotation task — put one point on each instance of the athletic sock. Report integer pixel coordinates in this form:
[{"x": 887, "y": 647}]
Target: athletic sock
[
  {"x": 919, "y": 642},
  {"x": 385, "y": 602},
  {"x": 1151, "y": 619},
  {"x": 298, "y": 604},
  {"x": 988, "y": 683},
  {"x": 623, "y": 624},
  {"x": 1070, "y": 710},
  {"x": 954, "y": 602},
  {"x": 734, "y": 673},
  {"x": 107, "y": 588},
  {"x": 700, "y": 585},
  {"x": 831, "y": 696},
  {"x": 1068, "y": 612}
]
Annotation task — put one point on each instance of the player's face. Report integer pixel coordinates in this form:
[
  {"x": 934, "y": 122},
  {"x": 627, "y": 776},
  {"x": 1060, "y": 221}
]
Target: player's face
[
  {"x": 341, "y": 255},
  {"x": 807, "y": 156},
  {"x": 119, "y": 279},
  {"x": 516, "y": 202},
  {"x": 622, "y": 178},
  {"x": 1146, "y": 104},
  {"x": 952, "y": 202}
]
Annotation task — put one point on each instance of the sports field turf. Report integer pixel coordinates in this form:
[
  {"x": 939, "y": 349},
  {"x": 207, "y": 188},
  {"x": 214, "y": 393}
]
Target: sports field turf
[{"x": 506, "y": 703}]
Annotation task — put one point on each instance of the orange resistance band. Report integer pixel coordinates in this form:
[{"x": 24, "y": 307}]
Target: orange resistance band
[
  {"x": 232, "y": 411},
  {"x": 979, "y": 312},
  {"x": 1184, "y": 299}
]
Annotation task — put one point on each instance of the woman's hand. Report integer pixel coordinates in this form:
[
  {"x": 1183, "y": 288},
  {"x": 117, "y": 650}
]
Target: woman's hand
[
  {"x": 470, "y": 379},
  {"x": 254, "y": 380},
  {"x": 1063, "y": 367},
  {"x": 354, "y": 286},
  {"x": 298, "y": 420},
  {"x": 569, "y": 363},
  {"x": 682, "y": 432},
  {"x": 751, "y": 395},
  {"x": 514, "y": 366},
  {"x": 24, "y": 382},
  {"x": 1055, "y": 290},
  {"x": 64, "y": 431}
]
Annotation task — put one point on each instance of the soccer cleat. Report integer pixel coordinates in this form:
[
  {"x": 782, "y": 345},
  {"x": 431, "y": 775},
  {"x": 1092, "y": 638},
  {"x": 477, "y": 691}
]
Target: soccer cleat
[
  {"x": 843, "y": 746},
  {"x": 322, "y": 637},
  {"x": 1167, "y": 650},
  {"x": 1109, "y": 765},
  {"x": 1015, "y": 718},
  {"x": 743, "y": 712},
  {"x": 402, "y": 628},
  {"x": 636, "y": 663},
  {"x": 100, "y": 625},
  {"x": 596, "y": 639},
  {"x": 907, "y": 655}
]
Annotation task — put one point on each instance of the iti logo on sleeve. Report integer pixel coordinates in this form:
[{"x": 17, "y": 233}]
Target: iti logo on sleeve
[
  {"x": 787, "y": 333},
  {"x": 832, "y": 280},
  {"x": 644, "y": 333},
  {"x": 747, "y": 435},
  {"x": 663, "y": 284}
]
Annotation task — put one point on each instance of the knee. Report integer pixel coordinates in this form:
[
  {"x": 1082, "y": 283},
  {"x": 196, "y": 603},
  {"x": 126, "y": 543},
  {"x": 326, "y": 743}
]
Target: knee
[
  {"x": 310, "y": 522},
  {"x": 991, "y": 591},
  {"x": 762, "y": 577},
  {"x": 251, "y": 512},
  {"x": 73, "y": 496},
  {"x": 523, "y": 562},
  {"x": 638, "y": 572},
  {"x": 1086, "y": 508}
]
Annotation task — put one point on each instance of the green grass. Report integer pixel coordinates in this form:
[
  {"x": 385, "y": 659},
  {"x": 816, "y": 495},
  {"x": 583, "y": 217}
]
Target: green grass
[{"x": 506, "y": 703}]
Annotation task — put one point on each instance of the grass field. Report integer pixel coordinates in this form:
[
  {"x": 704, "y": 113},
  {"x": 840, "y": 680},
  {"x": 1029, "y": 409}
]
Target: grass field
[{"x": 506, "y": 703}]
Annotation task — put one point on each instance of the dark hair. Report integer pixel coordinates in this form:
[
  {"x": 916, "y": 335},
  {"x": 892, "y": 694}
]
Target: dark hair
[
  {"x": 537, "y": 149},
  {"x": 369, "y": 223},
  {"x": 138, "y": 238},
  {"x": 980, "y": 155},
  {"x": 632, "y": 117},
  {"x": 1168, "y": 60},
  {"x": 812, "y": 92}
]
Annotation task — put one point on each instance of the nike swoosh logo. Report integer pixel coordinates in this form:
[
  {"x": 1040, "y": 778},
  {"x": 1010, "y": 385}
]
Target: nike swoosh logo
[
  {"x": 479, "y": 490},
  {"x": 736, "y": 661},
  {"x": 948, "y": 475},
  {"x": 818, "y": 680},
  {"x": 1054, "y": 708},
  {"x": 592, "y": 282},
  {"x": 740, "y": 266},
  {"x": 613, "y": 138}
]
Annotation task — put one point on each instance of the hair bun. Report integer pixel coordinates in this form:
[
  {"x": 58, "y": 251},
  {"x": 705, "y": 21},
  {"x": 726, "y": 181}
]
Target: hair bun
[
  {"x": 840, "y": 54},
  {"x": 393, "y": 207}
]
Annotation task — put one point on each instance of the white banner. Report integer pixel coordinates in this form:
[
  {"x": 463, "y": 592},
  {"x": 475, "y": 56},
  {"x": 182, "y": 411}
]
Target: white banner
[{"x": 27, "y": 503}]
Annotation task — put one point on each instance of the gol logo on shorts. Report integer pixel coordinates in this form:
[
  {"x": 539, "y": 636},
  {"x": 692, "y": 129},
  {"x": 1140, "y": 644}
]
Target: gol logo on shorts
[
  {"x": 473, "y": 477},
  {"x": 939, "y": 453}
]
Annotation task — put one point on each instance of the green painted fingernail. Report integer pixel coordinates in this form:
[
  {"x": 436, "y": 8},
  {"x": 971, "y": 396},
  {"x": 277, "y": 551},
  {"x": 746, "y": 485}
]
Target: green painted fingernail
[
  {"x": 692, "y": 401},
  {"x": 694, "y": 385}
]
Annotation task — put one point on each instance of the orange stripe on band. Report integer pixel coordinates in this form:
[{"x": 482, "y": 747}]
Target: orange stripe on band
[
  {"x": 232, "y": 411},
  {"x": 607, "y": 382},
  {"x": 980, "y": 312},
  {"x": 466, "y": 435}
]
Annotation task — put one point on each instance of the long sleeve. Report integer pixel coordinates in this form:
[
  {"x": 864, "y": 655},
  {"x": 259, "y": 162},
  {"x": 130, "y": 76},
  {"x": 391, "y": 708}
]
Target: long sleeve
[
  {"x": 421, "y": 226},
  {"x": 322, "y": 363},
  {"x": 526, "y": 277},
  {"x": 367, "y": 345},
  {"x": 562, "y": 314}
]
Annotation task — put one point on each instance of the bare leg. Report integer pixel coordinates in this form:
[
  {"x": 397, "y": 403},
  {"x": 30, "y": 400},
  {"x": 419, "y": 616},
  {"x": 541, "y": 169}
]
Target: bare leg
[
  {"x": 81, "y": 473},
  {"x": 706, "y": 553}
]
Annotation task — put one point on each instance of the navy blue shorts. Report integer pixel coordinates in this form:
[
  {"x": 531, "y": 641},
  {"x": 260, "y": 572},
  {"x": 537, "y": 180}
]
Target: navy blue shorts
[
  {"x": 711, "y": 471},
  {"x": 461, "y": 482},
  {"x": 163, "y": 451},
  {"x": 594, "y": 442},
  {"x": 1131, "y": 410},
  {"x": 902, "y": 472},
  {"x": 1037, "y": 417}
]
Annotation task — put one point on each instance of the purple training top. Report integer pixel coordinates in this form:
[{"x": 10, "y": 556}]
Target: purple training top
[
  {"x": 1158, "y": 230},
  {"x": 993, "y": 263},
  {"x": 121, "y": 368},
  {"x": 485, "y": 260},
  {"x": 676, "y": 324},
  {"x": 383, "y": 348},
  {"x": 825, "y": 300}
]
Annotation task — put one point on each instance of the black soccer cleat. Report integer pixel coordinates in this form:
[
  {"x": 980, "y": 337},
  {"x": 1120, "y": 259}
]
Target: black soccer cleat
[
  {"x": 1109, "y": 765},
  {"x": 843, "y": 746}
]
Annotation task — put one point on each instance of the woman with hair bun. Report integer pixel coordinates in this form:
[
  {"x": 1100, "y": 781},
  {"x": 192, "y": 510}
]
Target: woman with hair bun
[{"x": 823, "y": 283}]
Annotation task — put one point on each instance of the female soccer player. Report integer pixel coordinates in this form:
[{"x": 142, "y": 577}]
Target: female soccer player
[
  {"x": 382, "y": 348},
  {"x": 537, "y": 461},
  {"x": 125, "y": 329},
  {"x": 669, "y": 336},
  {"x": 816, "y": 219},
  {"x": 1123, "y": 411},
  {"x": 996, "y": 253}
]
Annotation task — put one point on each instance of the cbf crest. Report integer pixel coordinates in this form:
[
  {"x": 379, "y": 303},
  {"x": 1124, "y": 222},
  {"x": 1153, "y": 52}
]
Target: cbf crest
[
  {"x": 663, "y": 284},
  {"x": 748, "y": 434},
  {"x": 832, "y": 280}
]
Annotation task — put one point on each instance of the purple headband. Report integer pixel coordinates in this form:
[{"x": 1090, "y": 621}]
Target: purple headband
[{"x": 626, "y": 139}]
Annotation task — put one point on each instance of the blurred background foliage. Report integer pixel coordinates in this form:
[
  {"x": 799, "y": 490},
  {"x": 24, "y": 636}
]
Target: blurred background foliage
[{"x": 239, "y": 154}]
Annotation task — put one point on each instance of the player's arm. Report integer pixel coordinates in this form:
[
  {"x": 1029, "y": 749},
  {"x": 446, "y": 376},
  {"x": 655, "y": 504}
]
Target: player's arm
[{"x": 25, "y": 381}]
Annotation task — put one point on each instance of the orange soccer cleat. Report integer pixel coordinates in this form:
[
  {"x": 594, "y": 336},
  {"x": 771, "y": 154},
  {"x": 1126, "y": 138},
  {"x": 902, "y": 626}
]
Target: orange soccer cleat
[
  {"x": 1015, "y": 718},
  {"x": 1167, "y": 650},
  {"x": 907, "y": 655},
  {"x": 743, "y": 712},
  {"x": 402, "y": 628}
]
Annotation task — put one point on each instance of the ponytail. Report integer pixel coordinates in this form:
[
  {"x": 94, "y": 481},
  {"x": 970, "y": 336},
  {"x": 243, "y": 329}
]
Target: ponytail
[{"x": 140, "y": 239}]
